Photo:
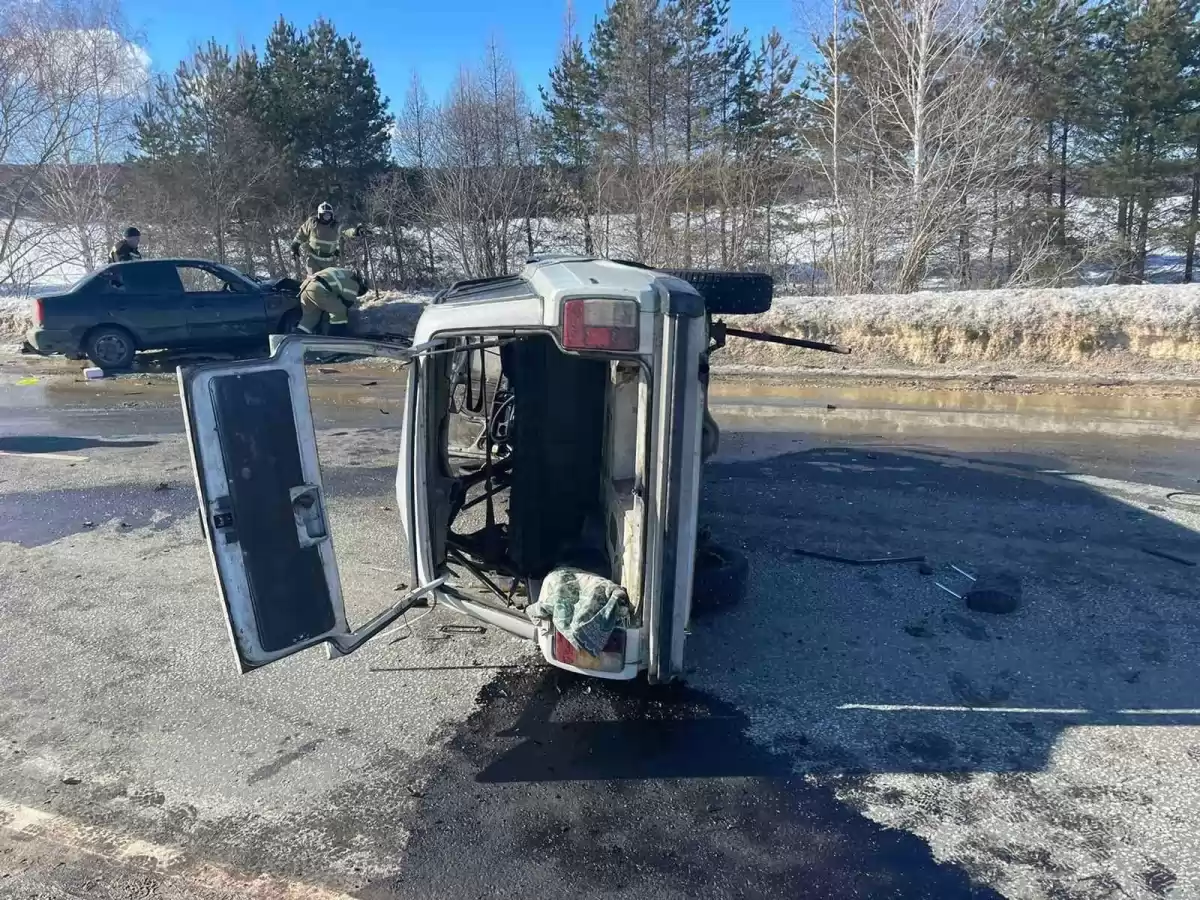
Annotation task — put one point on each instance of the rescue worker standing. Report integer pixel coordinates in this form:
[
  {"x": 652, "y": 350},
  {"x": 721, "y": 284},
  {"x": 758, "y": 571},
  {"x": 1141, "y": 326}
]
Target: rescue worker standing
[
  {"x": 330, "y": 290},
  {"x": 126, "y": 249},
  {"x": 321, "y": 239}
]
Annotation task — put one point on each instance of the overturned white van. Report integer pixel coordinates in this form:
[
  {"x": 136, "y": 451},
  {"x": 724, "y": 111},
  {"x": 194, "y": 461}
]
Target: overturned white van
[{"x": 563, "y": 410}]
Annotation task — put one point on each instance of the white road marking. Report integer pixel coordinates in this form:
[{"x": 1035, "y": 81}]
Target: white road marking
[
  {"x": 1019, "y": 710},
  {"x": 63, "y": 457},
  {"x": 169, "y": 862},
  {"x": 917, "y": 707}
]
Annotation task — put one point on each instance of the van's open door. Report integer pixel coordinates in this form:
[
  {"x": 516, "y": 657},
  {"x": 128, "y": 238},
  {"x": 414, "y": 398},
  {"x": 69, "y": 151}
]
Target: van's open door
[{"x": 262, "y": 504}]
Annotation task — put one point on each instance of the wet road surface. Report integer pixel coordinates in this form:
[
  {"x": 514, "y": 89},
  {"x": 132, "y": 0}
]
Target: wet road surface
[{"x": 844, "y": 732}]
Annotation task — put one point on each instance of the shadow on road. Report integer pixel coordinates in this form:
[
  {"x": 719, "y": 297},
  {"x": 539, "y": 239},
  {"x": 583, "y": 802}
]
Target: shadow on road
[
  {"x": 43, "y": 443},
  {"x": 31, "y": 519},
  {"x": 838, "y": 672},
  {"x": 876, "y": 669}
]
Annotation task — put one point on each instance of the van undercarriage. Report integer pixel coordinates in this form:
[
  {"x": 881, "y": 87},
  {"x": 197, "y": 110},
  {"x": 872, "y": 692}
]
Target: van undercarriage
[{"x": 549, "y": 467}]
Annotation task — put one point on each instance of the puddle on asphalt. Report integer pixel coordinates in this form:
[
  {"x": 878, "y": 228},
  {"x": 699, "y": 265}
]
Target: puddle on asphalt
[
  {"x": 875, "y": 409},
  {"x": 340, "y": 385},
  {"x": 833, "y": 409}
]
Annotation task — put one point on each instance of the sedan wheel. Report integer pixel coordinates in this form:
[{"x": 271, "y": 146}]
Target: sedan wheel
[{"x": 110, "y": 348}]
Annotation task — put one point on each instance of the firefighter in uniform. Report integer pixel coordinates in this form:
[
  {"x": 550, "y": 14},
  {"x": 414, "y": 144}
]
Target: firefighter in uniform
[
  {"x": 126, "y": 249},
  {"x": 321, "y": 239},
  {"x": 330, "y": 290}
]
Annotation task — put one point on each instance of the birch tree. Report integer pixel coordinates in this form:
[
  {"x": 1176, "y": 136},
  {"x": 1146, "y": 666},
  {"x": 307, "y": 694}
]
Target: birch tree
[
  {"x": 412, "y": 148},
  {"x": 67, "y": 71},
  {"x": 482, "y": 196},
  {"x": 916, "y": 128}
]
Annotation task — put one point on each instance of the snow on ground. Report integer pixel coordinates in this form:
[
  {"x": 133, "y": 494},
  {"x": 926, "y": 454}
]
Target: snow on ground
[
  {"x": 390, "y": 312},
  {"x": 1110, "y": 328},
  {"x": 1143, "y": 328},
  {"x": 15, "y": 316}
]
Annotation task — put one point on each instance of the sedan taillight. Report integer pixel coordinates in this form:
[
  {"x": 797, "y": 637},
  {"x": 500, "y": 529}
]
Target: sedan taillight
[{"x": 39, "y": 313}]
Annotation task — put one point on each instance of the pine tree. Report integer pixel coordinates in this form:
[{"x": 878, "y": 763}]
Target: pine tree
[
  {"x": 324, "y": 106},
  {"x": 199, "y": 138},
  {"x": 633, "y": 54},
  {"x": 1190, "y": 133},
  {"x": 773, "y": 123},
  {"x": 568, "y": 129},
  {"x": 1145, "y": 53},
  {"x": 1043, "y": 48},
  {"x": 1188, "y": 151},
  {"x": 695, "y": 27}
]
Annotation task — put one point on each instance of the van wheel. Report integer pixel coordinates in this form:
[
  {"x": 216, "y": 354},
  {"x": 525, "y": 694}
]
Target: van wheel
[
  {"x": 729, "y": 293},
  {"x": 110, "y": 347},
  {"x": 721, "y": 576}
]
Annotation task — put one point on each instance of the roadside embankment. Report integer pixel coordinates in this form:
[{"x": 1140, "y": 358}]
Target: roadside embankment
[
  {"x": 15, "y": 318},
  {"x": 1133, "y": 329}
]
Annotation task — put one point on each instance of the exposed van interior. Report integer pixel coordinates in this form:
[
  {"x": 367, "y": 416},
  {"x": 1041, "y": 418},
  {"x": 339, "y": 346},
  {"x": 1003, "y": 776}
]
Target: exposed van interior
[{"x": 535, "y": 463}]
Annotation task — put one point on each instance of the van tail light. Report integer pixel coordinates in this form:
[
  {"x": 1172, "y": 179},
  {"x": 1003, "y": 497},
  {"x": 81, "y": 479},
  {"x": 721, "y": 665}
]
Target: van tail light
[
  {"x": 600, "y": 325},
  {"x": 611, "y": 658},
  {"x": 39, "y": 313}
]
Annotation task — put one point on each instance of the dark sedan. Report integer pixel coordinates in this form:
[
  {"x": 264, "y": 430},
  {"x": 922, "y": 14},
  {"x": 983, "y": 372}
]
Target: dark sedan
[{"x": 160, "y": 304}]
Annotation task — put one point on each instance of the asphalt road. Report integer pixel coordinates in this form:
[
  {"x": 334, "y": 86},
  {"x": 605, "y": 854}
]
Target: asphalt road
[{"x": 845, "y": 731}]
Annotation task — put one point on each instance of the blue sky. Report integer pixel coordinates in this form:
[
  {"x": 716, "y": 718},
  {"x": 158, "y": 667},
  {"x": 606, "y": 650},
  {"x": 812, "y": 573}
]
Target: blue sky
[{"x": 433, "y": 36}]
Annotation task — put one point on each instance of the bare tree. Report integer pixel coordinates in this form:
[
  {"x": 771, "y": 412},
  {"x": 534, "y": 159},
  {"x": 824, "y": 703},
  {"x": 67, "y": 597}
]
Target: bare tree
[
  {"x": 482, "y": 197},
  {"x": 916, "y": 133},
  {"x": 80, "y": 192},
  {"x": 412, "y": 147},
  {"x": 67, "y": 72}
]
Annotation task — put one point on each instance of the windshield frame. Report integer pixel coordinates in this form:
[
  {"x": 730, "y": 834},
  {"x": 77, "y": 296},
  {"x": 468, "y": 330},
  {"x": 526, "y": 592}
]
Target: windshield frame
[{"x": 234, "y": 275}]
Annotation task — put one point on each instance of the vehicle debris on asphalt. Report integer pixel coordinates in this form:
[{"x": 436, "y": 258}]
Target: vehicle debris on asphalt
[
  {"x": 875, "y": 561},
  {"x": 462, "y": 629},
  {"x": 991, "y": 591},
  {"x": 1163, "y": 554}
]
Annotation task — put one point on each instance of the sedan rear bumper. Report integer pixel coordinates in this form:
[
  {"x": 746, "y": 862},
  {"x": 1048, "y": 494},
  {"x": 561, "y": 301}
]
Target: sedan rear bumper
[{"x": 45, "y": 341}]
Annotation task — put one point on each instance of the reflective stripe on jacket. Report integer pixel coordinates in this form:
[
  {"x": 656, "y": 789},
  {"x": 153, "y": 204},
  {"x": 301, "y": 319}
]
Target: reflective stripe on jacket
[
  {"x": 338, "y": 281},
  {"x": 322, "y": 239}
]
